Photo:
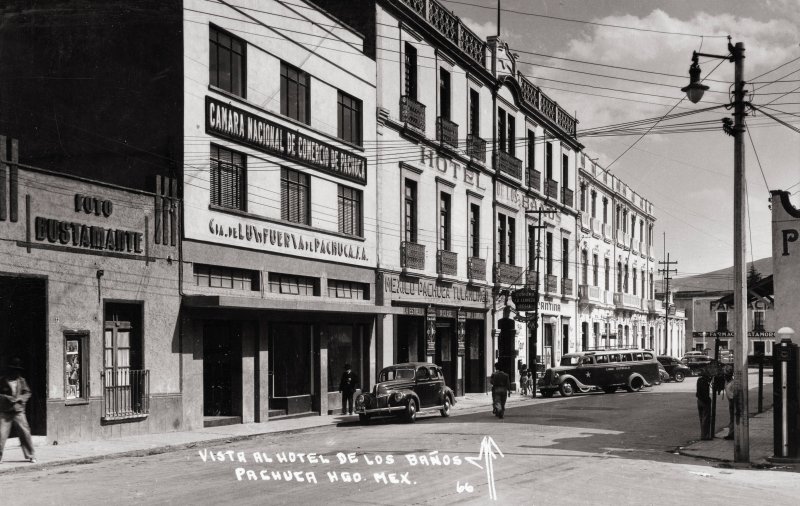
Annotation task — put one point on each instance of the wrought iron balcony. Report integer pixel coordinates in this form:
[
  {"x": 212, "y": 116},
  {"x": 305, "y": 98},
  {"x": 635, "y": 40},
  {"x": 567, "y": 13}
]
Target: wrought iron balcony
[
  {"x": 534, "y": 179},
  {"x": 476, "y": 269},
  {"x": 591, "y": 294},
  {"x": 551, "y": 188},
  {"x": 412, "y": 113},
  {"x": 447, "y": 132},
  {"x": 412, "y": 255},
  {"x": 507, "y": 274},
  {"x": 126, "y": 394},
  {"x": 447, "y": 262},
  {"x": 551, "y": 283},
  {"x": 567, "y": 197},
  {"x": 508, "y": 164},
  {"x": 566, "y": 286},
  {"x": 476, "y": 148},
  {"x": 534, "y": 97}
]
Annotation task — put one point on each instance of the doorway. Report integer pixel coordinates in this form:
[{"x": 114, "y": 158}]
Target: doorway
[
  {"x": 291, "y": 368},
  {"x": 475, "y": 376},
  {"x": 445, "y": 355},
  {"x": 23, "y": 334},
  {"x": 410, "y": 339},
  {"x": 564, "y": 339},
  {"x": 222, "y": 369}
]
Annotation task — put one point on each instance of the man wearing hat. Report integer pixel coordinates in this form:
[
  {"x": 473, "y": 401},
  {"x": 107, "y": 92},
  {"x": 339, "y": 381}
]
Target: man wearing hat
[
  {"x": 14, "y": 394},
  {"x": 347, "y": 387}
]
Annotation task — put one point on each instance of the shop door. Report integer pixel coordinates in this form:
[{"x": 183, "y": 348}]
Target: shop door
[
  {"x": 221, "y": 368},
  {"x": 475, "y": 377},
  {"x": 291, "y": 366},
  {"x": 548, "y": 344},
  {"x": 564, "y": 339},
  {"x": 446, "y": 352},
  {"x": 23, "y": 320},
  {"x": 410, "y": 339}
]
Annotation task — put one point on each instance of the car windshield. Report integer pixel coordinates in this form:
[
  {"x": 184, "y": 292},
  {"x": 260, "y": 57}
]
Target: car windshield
[
  {"x": 570, "y": 359},
  {"x": 393, "y": 374}
]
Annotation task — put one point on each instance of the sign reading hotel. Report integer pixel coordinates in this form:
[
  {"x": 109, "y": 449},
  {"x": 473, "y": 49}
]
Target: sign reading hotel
[
  {"x": 274, "y": 238},
  {"x": 427, "y": 291},
  {"x": 238, "y": 125}
]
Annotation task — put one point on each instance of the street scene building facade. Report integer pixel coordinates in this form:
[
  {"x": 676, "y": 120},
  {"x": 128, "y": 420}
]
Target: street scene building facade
[{"x": 322, "y": 187}]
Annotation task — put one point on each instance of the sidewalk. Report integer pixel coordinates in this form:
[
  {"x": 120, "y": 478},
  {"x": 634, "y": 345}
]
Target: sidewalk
[{"x": 90, "y": 451}]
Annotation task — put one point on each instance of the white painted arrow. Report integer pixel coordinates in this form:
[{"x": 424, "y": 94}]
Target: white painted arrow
[{"x": 487, "y": 453}]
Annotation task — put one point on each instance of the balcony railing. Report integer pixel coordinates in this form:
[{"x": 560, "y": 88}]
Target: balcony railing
[
  {"x": 447, "y": 132},
  {"x": 585, "y": 222},
  {"x": 655, "y": 306},
  {"x": 566, "y": 286},
  {"x": 507, "y": 274},
  {"x": 567, "y": 197},
  {"x": 451, "y": 27},
  {"x": 447, "y": 262},
  {"x": 412, "y": 113},
  {"x": 126, "y": 394},
  {"x": 508, "y": 164},
  {"x": 551, "y": 283},
  {"x": 608, "y": 232},
  {"x": 651, "y": 252},
  {"x": 534, "y": 179},
  {"x": 551, "y": 188},
  {"x": 634, "y": 246},
  {"x": 534, "y": 97},
  {"x": 476, "y": 269},
  {"x": 590, "y": 294},
  {"x": 476, "y": 148},
  {"x": 596, "y": 226},
  {"x": 412, "y": 255},
  {"x": 627, "y": 301}
]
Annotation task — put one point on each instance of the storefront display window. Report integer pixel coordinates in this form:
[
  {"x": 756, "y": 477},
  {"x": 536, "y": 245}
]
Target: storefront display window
[
  {"x": 344, "y": 347},
  {"x": 75, "y": 354}
]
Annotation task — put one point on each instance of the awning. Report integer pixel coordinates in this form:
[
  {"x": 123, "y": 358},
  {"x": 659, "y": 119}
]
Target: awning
[{"x": 232, "y": 302}]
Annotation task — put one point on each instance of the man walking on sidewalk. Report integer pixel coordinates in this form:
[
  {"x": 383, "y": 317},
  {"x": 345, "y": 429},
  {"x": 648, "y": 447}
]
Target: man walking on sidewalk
[
  {"x": 500, "y": 386},
  {"x": 14, "y": 394}
]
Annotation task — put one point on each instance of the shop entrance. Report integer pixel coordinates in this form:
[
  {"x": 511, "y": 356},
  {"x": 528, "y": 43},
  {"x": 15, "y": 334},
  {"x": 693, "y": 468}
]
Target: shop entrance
[
  {"x": 23, "y": 334},
  {"x": 222, "y": 372},
  {"x": 291, "y": 368},
  {"x": 410, "y": 339},
  {"x": 446, "y": 351},
  {"x": 474, "y": 374}
]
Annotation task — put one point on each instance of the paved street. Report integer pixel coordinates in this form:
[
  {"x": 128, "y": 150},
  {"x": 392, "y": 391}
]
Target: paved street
[{"x": 590, "y": 449}]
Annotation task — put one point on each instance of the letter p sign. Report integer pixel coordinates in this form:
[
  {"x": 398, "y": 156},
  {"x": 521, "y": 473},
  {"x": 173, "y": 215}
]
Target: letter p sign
[{"x": 789, "y": 235}]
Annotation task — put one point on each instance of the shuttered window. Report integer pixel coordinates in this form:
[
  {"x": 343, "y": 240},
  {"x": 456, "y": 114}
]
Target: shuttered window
[
  {"x": 349, "y": 119},
  {"x": 350, "y": 211},
  {"x": 410, "y": 69},
  {"x": 295, "y": 197},
  {"x": 226, "y": 62},
  {"x": 410, "y": 199},
  {"x": 227, "y": 178},
  {"x": 295, "y": 93},
  {"x": 444, "y": 221}
]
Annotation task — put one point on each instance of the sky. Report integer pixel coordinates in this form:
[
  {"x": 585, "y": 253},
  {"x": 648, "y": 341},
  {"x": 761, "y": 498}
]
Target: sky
[{"x": 688, "y": 176}]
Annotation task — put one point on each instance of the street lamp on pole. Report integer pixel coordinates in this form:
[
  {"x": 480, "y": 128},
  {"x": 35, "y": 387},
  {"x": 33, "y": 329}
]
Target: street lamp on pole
[{"x": 694, "y": 91}]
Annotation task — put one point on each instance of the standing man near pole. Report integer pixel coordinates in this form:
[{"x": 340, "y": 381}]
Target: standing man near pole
[{"x": 703, "y": 395}]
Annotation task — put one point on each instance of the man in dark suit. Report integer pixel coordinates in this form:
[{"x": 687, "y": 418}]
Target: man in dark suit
[
  {"x": 347, "y": 387},
  {"x": 14, "y": 394},
  {"x": 703, "y": 395},
  {"x": 500, "y": 386}
]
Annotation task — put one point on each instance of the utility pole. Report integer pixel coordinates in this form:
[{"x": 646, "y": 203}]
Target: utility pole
[
  {"x": 534, "y": 332},
  {"x": 666, "y": 271}
]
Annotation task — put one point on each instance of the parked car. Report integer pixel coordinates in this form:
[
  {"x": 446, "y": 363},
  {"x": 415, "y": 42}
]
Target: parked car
[
  {"x": 404, "y": 390},
  {"x": 607, "y": 370},
  {"x": 676, "y": 370},
  {"x": 725, "y": 356},
  {"x": 696, "y": 363}
]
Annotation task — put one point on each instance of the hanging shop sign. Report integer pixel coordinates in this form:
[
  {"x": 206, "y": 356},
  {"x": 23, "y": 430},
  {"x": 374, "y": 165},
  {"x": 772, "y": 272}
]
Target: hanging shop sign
[
  {"x": 430, "y": 331},
  {"x": 243, "y": 127},
  {"x": 461, "y": 333},
  {"x": 525, "y": 299}
]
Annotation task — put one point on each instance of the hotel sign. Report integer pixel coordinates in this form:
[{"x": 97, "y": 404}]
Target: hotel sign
[{"x": 243, "y": 127}]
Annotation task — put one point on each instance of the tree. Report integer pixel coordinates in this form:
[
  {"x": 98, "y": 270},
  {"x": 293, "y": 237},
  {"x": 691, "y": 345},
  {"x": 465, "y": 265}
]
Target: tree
[{"x": 753, "y": 276}]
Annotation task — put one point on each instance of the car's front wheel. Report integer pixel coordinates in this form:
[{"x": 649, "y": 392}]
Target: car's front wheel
[
  {"x": 635, "y": 384},
  {"x": 567, "y": 389},
  {"x": 446, "y": 407},
  {"x": 679, "y": 376},
  {"x": 411, "y": 411}
]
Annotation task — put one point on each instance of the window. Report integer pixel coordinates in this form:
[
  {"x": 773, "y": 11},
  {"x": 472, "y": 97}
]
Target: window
[
  {"x": 501, "y": 237},
  {"x": 501, "y": 129},
  {"x": 411, "y": 210},
  {"x": 506, "y": 237},
  {"x": 474, "y": 112},
  {"x": 584, "y": 268},
  {"x": 295, "y": 196},
  {"x": 565, "y": 171},
  {"x": 634, "y": 281},
  {"x": 583, "y": 198},
  {"x": 633, "y": 226},
  {"x": 625, "y": 280},
  {"x": 548, "y": 160},
  {"x": 347, "y": 290},
  {"x": 225, "y": 277},
  {"x": 565, "y": 258},
  {"x": 512, "y": 243},
  {"x": 758, "y": 321},
  {"x": 607, "y": 273},
  {"x": 625, "y": 220},
  {"x": 595, "y": 268},
  {"x": 350, "y": 221},
  {"x": 641, "y": 230},
  {"x": 345, "y": 346},
  {"x": 548, "y": 252},
  {"x": 475, "y": 230},
  {"x": 295, "y": 94},
  {"x": 531, "y": 158},
  {"x": 125, "y": 382},
  {"x": 411, "y": 72},
  {"x": 512, "y": 135},
  {"x": 722, "y": 321},
  {"x": 532, "y": 247},
  {"x": 444, "y": 93},
  {"x": 226, "y": 62},
  {"x": 594, "y": 204},
  {"x": 643, "y": 283},
  {"x": 652, "y": 287},
  {"x": 227, "y": 178},
  {"x": 506, "y": 128},
  {"x": 75, "y": 365},
  {"x": 293, "y": 285},
  {"x": 349, "y": 119},
  {"x": 619, "y": 276},
  {"x": 444, "y": 221},
  {"x": 605, "y": 210}
]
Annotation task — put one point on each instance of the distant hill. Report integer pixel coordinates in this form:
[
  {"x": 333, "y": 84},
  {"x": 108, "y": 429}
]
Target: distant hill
[{"x": 714, "y": 281}]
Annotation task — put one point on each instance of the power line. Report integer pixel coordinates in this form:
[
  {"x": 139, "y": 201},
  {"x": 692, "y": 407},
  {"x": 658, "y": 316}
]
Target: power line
[{"x": 759, "y": 166}]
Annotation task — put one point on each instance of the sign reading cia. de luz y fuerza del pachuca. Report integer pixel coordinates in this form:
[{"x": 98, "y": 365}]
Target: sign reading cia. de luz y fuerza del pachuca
[{"x": 238, "y": 125}]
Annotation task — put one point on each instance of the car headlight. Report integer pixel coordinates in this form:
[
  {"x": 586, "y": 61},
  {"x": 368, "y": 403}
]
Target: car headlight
[{"x": 397, "y": 397}]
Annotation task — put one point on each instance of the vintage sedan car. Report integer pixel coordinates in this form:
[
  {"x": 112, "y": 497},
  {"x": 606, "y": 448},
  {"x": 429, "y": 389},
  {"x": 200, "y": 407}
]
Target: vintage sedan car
[
  {"x": 404, "y": 390},
  {"x": 676, "y": 370},
  {"x": 696, "y": 363}
]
